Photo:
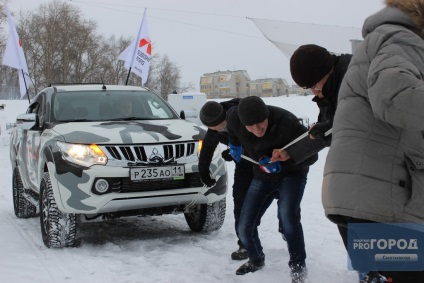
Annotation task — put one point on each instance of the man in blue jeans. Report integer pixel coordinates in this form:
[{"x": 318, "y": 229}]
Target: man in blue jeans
[{"x": 260, "y": 129}]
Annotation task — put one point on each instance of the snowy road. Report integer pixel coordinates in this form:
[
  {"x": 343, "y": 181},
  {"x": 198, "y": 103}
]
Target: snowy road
[{"x": 162, "y": 249}]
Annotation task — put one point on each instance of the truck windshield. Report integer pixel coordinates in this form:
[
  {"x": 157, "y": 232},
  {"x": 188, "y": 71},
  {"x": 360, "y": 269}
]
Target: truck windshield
[{"x": 109, "y": 105}]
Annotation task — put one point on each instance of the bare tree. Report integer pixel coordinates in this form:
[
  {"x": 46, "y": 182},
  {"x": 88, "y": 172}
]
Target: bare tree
[
  {"x": 185, "y": 87},
  {"x": 9, "y": 86},
  {"x": 164, "y": 77},
  {"x": 2, "y": 20},
  {"x": 60, "y": 46},
  {"x": 113, "y": 70}
]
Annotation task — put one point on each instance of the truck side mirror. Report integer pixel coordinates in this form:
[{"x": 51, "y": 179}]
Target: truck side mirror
[
  {"x": 182, "y": 114},
  {"x": 27, "y": 121}
]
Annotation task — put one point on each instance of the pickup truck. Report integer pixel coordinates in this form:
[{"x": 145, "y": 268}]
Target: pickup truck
[{"x": 85, "y": 152}]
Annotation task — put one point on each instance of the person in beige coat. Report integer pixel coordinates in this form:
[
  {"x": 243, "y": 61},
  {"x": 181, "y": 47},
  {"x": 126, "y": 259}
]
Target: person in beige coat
[{"x": 374, "y": 170}]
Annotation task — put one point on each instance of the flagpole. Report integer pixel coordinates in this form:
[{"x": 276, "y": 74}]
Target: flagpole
[
  {"x": 27, "y": 93},
  {"x": 128, "y": 77}
]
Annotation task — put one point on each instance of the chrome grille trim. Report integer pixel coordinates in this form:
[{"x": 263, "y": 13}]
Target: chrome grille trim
[{"x": 138, "y": 153}]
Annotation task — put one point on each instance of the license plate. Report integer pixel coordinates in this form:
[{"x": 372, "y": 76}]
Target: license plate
[{"x": 175, "y": 172}]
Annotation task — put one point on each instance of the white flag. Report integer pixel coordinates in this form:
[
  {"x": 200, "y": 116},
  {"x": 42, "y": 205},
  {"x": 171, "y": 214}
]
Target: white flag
[
  {"x": 138, "y": 54},
  {"x": 14, "y": 55}
]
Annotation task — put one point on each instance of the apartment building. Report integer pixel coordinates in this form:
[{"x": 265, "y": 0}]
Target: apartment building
[
  {"x": 225, "y": 84},
  {"x": 269, "y": 87},
  {"x": 232, "y": 84}
]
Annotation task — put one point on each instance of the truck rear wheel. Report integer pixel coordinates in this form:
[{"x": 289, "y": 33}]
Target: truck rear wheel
[
  {"x": 58, "y": 229},
  {"x": 22, "y": 207}
]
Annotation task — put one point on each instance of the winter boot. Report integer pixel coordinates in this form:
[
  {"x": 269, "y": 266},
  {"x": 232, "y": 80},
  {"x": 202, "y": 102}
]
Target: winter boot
[
  {"x": 239, "y": 254},
  {"x": 372, "y": 277},
  {"x": 298, "y": 274},
  {"x": 250, "y": 266}
]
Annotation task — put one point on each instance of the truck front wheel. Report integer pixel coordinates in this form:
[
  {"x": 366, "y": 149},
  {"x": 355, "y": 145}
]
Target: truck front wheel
[
  {"x": 206, "y": 217},
  {"x": 58, "y": 229}
]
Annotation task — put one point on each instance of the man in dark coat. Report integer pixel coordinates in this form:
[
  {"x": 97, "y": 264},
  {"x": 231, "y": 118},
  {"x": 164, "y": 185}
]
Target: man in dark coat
[
  {"x": 260, "y": 129},
  {"x": 313, "y": 67},
  {"x": 213, "y": 115}
]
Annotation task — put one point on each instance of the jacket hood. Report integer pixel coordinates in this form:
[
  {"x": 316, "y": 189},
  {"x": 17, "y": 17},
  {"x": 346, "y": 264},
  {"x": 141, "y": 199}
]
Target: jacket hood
[
  {"x": 129, "y": 132},
  {"x": 407, "y": 13},
  {"x": 413, "y": 8}
]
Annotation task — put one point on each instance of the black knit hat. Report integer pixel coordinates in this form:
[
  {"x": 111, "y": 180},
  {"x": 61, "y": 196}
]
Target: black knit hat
[
  {"x": 212, "y": 114},
  {"x": 252, "y": 110},
  {"x": 309, "y": 64}
]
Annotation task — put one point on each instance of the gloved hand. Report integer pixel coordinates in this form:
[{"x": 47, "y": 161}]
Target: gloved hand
[
  {"x": 372, "y": 277},
  {"x": 206, "y": 179},
  {"x": 273, "y": 167},
  {"x": 236, "y": 151},
  {"x": 319, "y": 129},
  {"x": 226, "y": 155}
]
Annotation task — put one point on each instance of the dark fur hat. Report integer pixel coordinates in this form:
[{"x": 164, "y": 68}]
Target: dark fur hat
[
  {"x": 309, "y": 64},
  {"x": 212, "y": 114},
  {"x": 252, "y": 110}
]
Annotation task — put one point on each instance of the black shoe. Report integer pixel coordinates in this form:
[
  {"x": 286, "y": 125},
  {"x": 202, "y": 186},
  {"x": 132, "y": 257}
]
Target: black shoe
[
  {"x": 298, "y": 274},
  {"x": 250, "y": 266},
  {"x": 239, "y": 254},
  {"x": 373, "y": 277}
]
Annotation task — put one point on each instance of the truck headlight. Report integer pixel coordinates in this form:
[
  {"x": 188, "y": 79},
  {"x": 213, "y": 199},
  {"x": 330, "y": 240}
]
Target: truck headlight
[
  {"x": 82, "y": 154},
  {"x": 199, "y": 147}
]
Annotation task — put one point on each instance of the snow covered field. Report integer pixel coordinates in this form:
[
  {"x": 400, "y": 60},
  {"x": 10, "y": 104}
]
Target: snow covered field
[{"x": 162, "y": 249}]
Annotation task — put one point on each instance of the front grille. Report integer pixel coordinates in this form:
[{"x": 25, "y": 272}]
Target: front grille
[
  {"x": 191, "y": 180},
  {"x": 130, "y": 153},
  {"x": 138, "y": 152}
]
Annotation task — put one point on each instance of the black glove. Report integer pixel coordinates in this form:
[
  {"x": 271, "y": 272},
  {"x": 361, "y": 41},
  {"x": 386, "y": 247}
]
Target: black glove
[
  {"x": 206, "y": 179},
  {"x": 319, "y": 129},
  {"x": 373, "y": 277},
  {"x": 226, "y": 155}
]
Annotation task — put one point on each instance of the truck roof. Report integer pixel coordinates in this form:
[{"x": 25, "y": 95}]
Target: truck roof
[{"x": 96, "y": 87}]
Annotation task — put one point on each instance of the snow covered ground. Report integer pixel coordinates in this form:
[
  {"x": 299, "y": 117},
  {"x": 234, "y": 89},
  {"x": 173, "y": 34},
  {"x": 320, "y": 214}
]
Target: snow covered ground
[{"x": 162, "y": 249}]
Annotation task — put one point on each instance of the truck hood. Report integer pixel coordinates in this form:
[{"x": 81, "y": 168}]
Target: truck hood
[{"x": 129, "y": 132}]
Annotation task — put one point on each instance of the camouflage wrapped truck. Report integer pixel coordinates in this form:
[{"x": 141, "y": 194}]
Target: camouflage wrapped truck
[{"x": 84, "y": 152}]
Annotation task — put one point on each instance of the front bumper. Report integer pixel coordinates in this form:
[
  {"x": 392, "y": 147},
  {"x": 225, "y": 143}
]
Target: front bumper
[{"x": 73, "y": 189}]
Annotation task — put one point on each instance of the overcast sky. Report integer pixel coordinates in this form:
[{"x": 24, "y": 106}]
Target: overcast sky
[{"x": 207, "y": 36}]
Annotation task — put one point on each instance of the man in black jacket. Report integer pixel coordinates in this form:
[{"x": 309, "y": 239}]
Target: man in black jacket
[
  {"x": 260, "y": 129},
  {"x": 213, "y": 115},
  {"x": 313, "y": 67}
]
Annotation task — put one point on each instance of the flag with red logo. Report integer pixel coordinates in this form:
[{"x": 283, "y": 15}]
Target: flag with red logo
[
  {"x": 138, "y": 54},
  {"x": 14, "y": 55}
]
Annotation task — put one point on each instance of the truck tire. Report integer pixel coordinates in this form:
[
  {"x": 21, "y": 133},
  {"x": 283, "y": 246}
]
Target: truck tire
[
  {"x": 58, "y": 229},
  {"x": 22, "y": 207},
  {"x": 206, "y": 217}
]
